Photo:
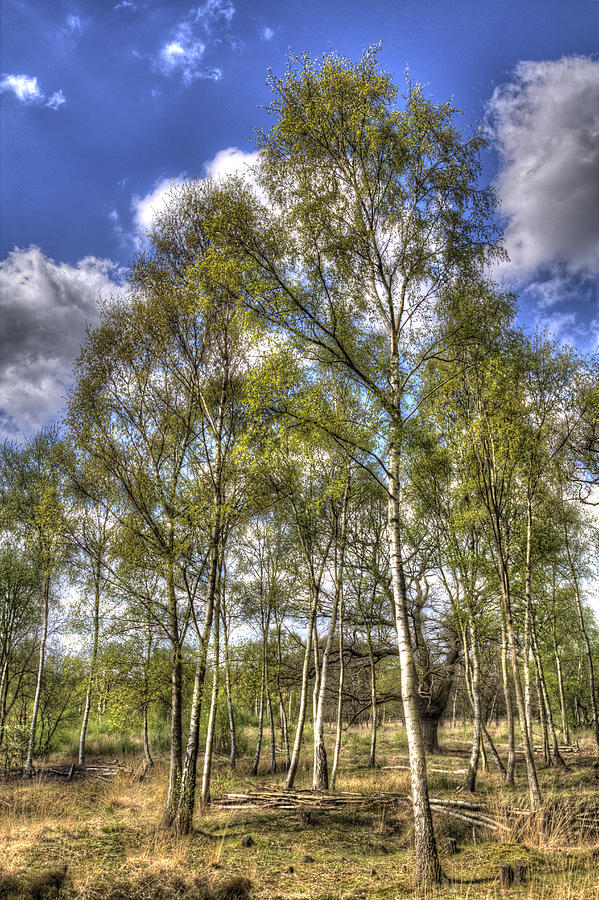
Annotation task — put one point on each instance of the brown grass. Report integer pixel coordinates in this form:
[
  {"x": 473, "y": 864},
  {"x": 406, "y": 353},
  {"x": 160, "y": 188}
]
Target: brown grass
[{"x": 104, "y": 838}]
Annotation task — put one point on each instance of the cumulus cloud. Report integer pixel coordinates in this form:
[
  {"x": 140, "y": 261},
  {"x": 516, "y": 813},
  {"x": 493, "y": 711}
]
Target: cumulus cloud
[
  {"x": 546, "y": 125},
  {"x": 44, "y": 308},
  {"x": 27, "y": 90},
  {"x": 230, "y": 161},
  {"x": 24, "y": 87},
  {"x": 183, "y": 53},
  {"x": 145, "y": 208},
  {"x": 267, "y": 33}
]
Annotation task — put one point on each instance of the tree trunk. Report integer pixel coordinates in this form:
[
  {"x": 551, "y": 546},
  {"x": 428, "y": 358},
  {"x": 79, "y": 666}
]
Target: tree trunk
[
  {"x": 585, "y": 636},
  {"x": 428, "y": 868},
  {"x": 320, "y": 780},
  {"x": 562, "y": 699},
  {"x": 528, "y": 623},
  {"x": 256, "y": 762},
  {"x": 148, "y": 658},
  {"x": 316, "y": 688},
  {"x": 183, "y": 820},
  {"x": 40, "y": 675},
  {"x": 543, "y": 716},
  {"x": 301, "y": 716},
  {"x": 3, "y": 697},
  {"x": 176, "y": 755},
  {"x": 339, "y": 721},
  {"x": 373, "y": 707},
  {"x": 147, "y": 755},
  {"x": 533, "y": 782},
  {"x": 205, "y": 794},
  {"x": 228, "y": 692},
  {"x": 282, "y": 712},
  {"x": 470, "y": 779},
  {"x": 92, "y": 668},
  {"x": 545, "y": 701},
  {"x": 526, "y": 670},
  {"x": 430, "y": 725},
  {"x": 273, "y": 737},
  {"x": 509, "y": 709}
]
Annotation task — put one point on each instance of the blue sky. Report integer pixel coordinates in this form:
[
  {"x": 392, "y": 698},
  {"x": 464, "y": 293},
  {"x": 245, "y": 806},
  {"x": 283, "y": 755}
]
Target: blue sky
[{"x": 102, "y": 103}]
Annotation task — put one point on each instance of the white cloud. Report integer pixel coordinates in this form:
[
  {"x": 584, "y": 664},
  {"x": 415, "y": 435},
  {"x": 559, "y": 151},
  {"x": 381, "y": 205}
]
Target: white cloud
[
  {"x": 546, "y": 125},
  {"x": 212, "y": 12},
  {"x": 230, "y": 161},
  {"x": 24, "y": 87},
  {"x": 267, "y": 33},
  {"x": 126, "y": 4},
  {"x": 57, "y": 99},
  {"x": 44, "y": 308},
  {"x": 27, "y": 90},
  {"x": 145, "y": 208},
  {"x": 74, "y": 23},
  {"x": 183, "y": 53}
]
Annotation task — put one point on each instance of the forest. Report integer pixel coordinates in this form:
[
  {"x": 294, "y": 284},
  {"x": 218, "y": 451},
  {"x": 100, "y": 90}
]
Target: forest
[{"x": 303, "y": 574}]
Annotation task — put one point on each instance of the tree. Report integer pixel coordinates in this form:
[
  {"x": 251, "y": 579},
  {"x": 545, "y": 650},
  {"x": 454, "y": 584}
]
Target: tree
[
  {"x": 373, "y": 211},
  {"x": 32, "y": 483}
]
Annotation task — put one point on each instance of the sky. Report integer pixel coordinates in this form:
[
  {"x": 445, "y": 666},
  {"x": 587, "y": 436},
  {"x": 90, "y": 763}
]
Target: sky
[{"x": 103, "y": 104}]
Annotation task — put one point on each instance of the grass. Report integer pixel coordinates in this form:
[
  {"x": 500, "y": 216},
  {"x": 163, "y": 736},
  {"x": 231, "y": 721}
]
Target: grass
[{"x": 107, "y": 837}]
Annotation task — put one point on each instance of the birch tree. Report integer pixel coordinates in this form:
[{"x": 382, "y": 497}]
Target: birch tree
[{"x": 374, "y": 208}]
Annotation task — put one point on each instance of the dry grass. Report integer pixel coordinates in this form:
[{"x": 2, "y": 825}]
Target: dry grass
[{"x": 107, "y": 837}]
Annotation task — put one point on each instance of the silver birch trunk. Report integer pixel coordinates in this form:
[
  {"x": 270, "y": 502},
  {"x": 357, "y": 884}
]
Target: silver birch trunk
[
  {"x": 545, "y": 702},
  {"x": 147, "y": 755},
  {"x": 146, "y": 737},
  {"x": 544, "y": 729},
  {"x": 228, "y": 692},
  {"x": 585, "y": 636},
  {"x": 183, "y": 820},
  {"x": 340, "y": 686},
  {"x": 282, "y": 711},
  {"x": 301, "y": 716},
  {"x": 256, "y": 762},
  {"x": 533, "y": 782},
  {"x": 470, "y": 779},
  {"x": 40, "y": 675},
  {"x": 316, "y": 688},
  {"x": 496, "y": 757},
  {"x": 562, "y": 698},
  {"x": 176, "y": 754},
  {"x": 509, "y": 709},
  {"x": 428, "y": 867},
  {"x": 208, "y": 753},
  {"x": 320, "y": 778},
  {"x": 273, "y": 737},
  {"x": 528, "y": 622},
  {"x": 92, "y": 668}
]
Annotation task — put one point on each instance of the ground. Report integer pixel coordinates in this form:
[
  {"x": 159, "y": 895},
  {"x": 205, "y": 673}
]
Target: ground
[{"x": 106, "y": 834}]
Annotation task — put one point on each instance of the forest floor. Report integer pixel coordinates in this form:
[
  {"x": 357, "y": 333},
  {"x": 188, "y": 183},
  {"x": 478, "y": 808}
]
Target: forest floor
[{"x": 106, "y": 834}]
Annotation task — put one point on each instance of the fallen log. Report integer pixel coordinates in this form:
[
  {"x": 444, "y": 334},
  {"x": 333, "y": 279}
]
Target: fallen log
[
  {"x": 475, "y": 814},
  {"x": 72, "y": 772},
  {"x": 432, "y": 769}
]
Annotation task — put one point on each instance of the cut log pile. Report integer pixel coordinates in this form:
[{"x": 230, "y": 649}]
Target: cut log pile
[
  {"x": 565, "y": 750},
  {"x": 73, "y": 772},
  {"x": 475, "y": 814}
]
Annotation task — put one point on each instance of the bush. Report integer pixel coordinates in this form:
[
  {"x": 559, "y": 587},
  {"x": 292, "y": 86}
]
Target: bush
[{"x": 13, "y": 751}]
